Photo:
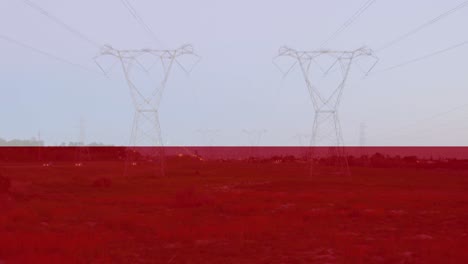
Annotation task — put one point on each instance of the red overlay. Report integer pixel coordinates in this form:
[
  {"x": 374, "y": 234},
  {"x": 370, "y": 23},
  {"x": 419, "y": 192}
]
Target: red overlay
[{"x": 233, "y": 205}]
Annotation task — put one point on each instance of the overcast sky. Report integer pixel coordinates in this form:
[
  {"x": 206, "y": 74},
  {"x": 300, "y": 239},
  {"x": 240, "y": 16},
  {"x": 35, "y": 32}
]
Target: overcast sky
[{"x": 235, "y": 86}]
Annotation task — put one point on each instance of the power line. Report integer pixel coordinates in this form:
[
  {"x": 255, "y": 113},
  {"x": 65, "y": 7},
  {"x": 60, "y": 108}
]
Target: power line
[
  {"x": 61, "y": 23},
  {"x": 350, "y": 21},
  {"x": 424, "y": 57},
  {"x": 140, "y": 20},
  {"x": 18, "y": 43},
  {"x": 421, "y": 27}
]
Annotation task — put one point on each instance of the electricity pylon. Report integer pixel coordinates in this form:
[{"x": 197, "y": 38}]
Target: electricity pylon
[
  {"x": 82, "y": 151},
  {"x": 325, "y": 73},
  {"x": 302, "y": 139},
  {"x": 362, "y": 135},
  {"x": 363, "y": 139},
  {"x": 254, "y": 136},
  {"x": 155, "y": 66}
]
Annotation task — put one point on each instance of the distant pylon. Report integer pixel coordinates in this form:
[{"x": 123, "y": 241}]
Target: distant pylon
[
  {"x": 147, "y": 72},
  {"x": 82, "y": 153},
  {"x": 41, "y": 157},
  {"x": 316, "y": 67},
  {"x": 362, "y": 135},
  {"x": 254, "y": 136},
  {"x": 363, "y": 139},
  {"x": 302, "y": 139}
]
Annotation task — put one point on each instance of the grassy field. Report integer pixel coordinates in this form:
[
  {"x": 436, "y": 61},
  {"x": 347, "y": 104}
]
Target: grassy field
[{"x": 232, "y": 212}]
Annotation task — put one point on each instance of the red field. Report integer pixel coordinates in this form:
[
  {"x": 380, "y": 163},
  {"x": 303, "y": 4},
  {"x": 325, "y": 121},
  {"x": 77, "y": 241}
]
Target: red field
[{"x": 232, "y": 212}]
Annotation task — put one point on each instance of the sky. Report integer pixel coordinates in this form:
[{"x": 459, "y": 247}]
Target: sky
[{"x": 235, "y": 87}]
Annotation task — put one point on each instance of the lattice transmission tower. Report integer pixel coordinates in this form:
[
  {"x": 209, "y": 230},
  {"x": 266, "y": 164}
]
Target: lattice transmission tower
[
  {"x": 325, "y": 73},
  {"x": 147, "y": 72},
  {"x": 254, "y": 136},
  {"x": 82, "y": 152},
  {"x": 362, "y": 135},
  {"x": 302, "y": 139}
]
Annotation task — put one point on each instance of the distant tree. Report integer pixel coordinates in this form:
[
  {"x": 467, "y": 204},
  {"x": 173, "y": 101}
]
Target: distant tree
[{"x": 21, "y": 142}]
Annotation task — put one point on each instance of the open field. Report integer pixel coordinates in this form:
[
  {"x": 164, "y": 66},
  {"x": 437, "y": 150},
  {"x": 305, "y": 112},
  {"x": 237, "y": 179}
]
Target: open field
[{"x": 232, "y": 212}]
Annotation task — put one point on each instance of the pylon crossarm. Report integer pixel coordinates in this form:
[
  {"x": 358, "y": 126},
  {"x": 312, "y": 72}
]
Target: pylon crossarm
[
  {"x": 185, "y": 49},
  {"x": 286, "y": 51},
  {"x": 138, "y": 97}
]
